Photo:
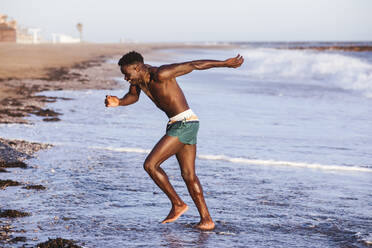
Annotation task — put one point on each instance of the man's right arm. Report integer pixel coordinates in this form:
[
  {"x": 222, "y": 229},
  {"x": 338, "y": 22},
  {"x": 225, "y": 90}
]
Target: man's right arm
[
  {"x": 131, "y": 97},
  {"x": 179, "y": 69}
]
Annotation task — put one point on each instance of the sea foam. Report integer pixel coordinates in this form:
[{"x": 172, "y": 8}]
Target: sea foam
[
  {"x": 240, "y": 160},
  {"x": 309, "y": 67},
  {"x": 269, "y": 162}
]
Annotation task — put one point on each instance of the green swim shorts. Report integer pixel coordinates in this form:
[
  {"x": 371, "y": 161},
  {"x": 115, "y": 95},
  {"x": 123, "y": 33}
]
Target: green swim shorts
[{"x": 186, "y": 131}]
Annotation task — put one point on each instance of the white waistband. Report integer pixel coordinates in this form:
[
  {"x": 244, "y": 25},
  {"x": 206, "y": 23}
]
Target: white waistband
[{"x": 183, "y": 115}]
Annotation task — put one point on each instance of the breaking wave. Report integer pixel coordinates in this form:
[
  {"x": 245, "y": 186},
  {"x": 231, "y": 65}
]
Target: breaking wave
[{"x": 309, "y": 67}]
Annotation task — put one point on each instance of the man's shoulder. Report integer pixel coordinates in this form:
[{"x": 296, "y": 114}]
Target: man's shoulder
[
  {"x": 160, "y": 73},
  {"x": 164, "y": 72}
]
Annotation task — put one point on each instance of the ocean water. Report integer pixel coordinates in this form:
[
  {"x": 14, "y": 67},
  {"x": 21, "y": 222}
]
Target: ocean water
[{"x": 284, "y": 158}]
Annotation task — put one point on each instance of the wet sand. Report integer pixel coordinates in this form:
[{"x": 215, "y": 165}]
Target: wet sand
[{"x": 28, "y": 69}]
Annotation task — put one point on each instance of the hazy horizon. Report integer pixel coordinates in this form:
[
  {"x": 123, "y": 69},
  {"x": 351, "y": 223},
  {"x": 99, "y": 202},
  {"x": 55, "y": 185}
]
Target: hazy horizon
[{"x": 193, "y": 21}]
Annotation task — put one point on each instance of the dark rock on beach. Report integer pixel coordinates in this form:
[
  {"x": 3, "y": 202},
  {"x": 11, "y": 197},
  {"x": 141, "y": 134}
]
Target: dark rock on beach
[
  {"x": 9, "y": 213},
  {"x": 51, "y": 119},
  {"x": 58, "y": 243},
  {"x": 17, "y": 239},
  {"x": 46, "y": 113},
  {"x": 15, "y": 164},
  {"x": 36, "y": 187},
  {"x": 7, "y": 183}
]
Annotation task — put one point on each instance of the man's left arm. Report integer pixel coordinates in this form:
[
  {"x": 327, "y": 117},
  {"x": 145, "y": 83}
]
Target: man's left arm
[{"x": 176, "y": 70}]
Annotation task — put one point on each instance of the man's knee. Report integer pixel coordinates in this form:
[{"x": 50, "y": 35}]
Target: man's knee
[
  {"x": 188, "y": 176},
  {"x": 149, "y": 166}
]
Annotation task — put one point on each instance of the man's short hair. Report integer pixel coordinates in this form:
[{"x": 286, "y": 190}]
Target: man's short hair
[{"x": 130, "y": 58}]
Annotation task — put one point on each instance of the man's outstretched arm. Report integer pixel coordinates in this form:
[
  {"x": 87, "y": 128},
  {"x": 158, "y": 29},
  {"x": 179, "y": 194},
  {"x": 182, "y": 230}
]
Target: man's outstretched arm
[
  {"x": 129, "y": 98},
  {"x": 179, "y": 69}
]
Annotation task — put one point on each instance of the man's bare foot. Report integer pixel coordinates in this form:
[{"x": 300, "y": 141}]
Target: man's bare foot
[
  {"x": 175, "y": 213},
  {"x": 205, "y": 225}
]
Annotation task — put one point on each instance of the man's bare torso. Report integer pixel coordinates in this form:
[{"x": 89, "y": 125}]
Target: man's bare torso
[{"x": 166, "y": 94}]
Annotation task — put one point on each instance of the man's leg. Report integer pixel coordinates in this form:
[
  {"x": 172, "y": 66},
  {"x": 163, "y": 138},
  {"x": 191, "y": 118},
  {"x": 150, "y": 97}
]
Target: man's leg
[
  {"x": 166, "y": 147},
  {"x": 186, "y": 158}
]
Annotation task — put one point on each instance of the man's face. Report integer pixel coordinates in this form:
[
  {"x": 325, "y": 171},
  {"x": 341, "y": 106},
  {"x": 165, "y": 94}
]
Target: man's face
[{"x": 131, "y": 73}]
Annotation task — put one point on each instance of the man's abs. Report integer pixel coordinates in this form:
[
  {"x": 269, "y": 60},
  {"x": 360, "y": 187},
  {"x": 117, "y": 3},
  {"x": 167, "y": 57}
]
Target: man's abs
[{"x": 168, "y": 96}]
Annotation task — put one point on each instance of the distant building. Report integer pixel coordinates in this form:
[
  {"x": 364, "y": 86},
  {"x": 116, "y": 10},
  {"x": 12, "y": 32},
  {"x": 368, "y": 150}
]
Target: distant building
[
  {"x": 62, "y": 38},
  {"x": 8, "y": 30},
  {"x": 24, "y": 36}
]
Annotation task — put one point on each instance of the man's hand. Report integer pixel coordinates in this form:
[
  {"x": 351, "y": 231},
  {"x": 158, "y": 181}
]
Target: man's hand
[
  {"x": 234, "y": 62},
  {"x": 111, "y": 101}
]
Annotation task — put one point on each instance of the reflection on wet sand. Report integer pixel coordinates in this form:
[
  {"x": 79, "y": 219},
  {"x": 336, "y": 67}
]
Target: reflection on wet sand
[{"x": 174, "y": 238}]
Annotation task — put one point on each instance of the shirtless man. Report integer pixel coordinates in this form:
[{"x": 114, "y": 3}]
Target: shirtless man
[{"x": 160, "y": 85}]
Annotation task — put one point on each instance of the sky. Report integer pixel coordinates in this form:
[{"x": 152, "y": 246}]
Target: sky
[{"x": 110, "y": 21}]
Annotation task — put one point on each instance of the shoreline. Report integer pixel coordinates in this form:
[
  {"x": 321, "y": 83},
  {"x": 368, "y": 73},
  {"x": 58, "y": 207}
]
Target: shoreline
[{"x": 18, "y": 99}]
